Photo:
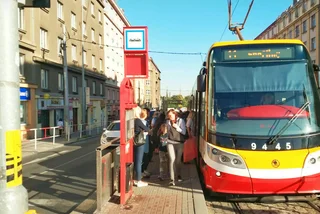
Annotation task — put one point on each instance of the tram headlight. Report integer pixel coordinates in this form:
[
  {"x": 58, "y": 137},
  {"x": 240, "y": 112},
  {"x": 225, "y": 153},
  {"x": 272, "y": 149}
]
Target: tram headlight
[
  {"x": 312, "y": 160},
  {"x": 236, "y": 161},
  {"x": 224, "y": 159},
  {"x": 214, "y": 151}
]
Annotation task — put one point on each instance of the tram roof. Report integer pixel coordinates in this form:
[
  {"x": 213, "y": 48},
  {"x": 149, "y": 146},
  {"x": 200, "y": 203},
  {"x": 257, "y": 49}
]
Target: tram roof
[{"x": 249, "y": 42}]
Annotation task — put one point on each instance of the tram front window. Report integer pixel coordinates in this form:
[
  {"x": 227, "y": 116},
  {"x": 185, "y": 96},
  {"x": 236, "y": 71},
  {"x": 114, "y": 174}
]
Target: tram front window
[{"x": 260, "y": 98}]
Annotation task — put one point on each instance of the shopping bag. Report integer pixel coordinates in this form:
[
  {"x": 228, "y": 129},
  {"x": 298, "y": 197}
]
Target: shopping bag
[{"x": 189, "y": 149}]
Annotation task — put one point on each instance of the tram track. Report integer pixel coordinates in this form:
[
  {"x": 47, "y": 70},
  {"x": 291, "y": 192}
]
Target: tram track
[
  {"x": 236, "y": 207},
  {"x": 313, "y": 205}
]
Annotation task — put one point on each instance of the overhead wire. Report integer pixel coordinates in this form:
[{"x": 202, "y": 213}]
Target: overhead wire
[{"x": 234, "y": 9}]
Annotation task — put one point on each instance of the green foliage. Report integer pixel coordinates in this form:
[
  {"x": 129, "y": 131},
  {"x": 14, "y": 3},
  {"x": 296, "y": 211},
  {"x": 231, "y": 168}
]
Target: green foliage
[{"x": 176, "y": 101}]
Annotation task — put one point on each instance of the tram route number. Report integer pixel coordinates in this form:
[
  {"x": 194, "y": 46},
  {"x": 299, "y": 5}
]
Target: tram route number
[{"x": 278, "y": 146}]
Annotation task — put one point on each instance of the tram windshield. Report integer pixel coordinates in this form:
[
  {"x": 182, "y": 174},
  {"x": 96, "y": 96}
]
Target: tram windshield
[{"x": 259, "y": 98}]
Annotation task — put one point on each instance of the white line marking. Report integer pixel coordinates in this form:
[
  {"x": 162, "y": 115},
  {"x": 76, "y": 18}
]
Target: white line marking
[
  {"x": 44, "y": 172},
  {"x": 46, "y": 158}
]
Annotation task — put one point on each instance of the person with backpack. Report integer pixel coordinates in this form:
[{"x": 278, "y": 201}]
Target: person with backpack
[{"x": 176, "y": 138}]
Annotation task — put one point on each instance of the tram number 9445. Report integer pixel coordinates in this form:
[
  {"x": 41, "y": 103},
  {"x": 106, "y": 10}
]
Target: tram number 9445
[{"x": 275, "y": 146}]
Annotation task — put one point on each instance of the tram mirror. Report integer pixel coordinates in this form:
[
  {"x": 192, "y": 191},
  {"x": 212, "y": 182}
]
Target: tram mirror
[{"x": 201, "y": 82}]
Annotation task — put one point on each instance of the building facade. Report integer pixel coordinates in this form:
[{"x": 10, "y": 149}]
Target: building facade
[{"x": 299, "y": 21}]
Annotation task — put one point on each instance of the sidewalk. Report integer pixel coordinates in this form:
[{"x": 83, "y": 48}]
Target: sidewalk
[
  {"x": 28, "y": 147},
  {"x": 158, "y": 197}
]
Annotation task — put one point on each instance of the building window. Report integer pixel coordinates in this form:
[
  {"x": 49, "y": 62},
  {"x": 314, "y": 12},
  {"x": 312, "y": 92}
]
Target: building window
[
  {"x": 284, "y": 21},
  {"x": 59, "y": 49},
  {"x": 92, "y": 34},
  {"x": 43, "y": 38},
  {"x": 304, "y": 6},
  {"x": 94, "y": 87},
  {"x": 296, "y": 13},
  {"x": 147, "y": 82},
  {"x": 147, "y": 92},
  {"x": 304, "y": 26},
  {"x": 20, "y": 18},
  {"x": 21, "y": 64},
  {"x": 93, "y": 61},
  {"x": 73, "y": 20},
  {"x": 44, "y": 79},
  {"x": 313, "y": 2},
  {"x": 100, "y": 65},
  {"x": 284, "y": 36},
  {"x": 313, "y": 43},
  {"x": 100, "y": 17},
  {"x": 92, "y": 8},
  {"x": 74, "y": 84},
  {"x": 297, "y": 31},
  {"x": 290, "y": 17},
  {"x": 101, "y": 89},
  {"x": 60, "y": 82},
  {"x": 313, "y": 21},
  {"x": 86, "y": 83},
  {"x": 100, "y": 40},
  {"x": 84, "y": 29},
  {"x": 60, "y": 10},
  {"x": 85, "y": 57},
  {"x": 74, "y": 52}
]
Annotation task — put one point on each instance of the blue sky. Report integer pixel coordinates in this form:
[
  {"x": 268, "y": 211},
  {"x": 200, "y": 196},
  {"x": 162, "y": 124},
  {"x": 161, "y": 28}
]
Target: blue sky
[{"x": 193, "y": 26}]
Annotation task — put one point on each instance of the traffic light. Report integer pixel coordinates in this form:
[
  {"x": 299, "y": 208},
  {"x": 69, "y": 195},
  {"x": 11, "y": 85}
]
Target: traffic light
[{"x": 36, "y": 3}]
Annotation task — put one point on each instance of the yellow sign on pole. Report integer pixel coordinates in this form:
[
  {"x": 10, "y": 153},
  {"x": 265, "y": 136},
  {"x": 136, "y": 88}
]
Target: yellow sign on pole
[{"x": 13, "y": 158}]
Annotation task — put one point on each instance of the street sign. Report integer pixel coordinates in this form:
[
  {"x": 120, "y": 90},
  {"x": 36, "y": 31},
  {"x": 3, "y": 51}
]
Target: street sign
[{"x": 135, "y": 48}]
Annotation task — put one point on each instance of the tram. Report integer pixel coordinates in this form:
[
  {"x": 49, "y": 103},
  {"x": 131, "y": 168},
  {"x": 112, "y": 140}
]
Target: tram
[{"x": 258, "y": 118}]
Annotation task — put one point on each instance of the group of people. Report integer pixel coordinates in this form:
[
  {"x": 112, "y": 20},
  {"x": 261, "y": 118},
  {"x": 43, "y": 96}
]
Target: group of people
[{"x": 165, "y": 133}]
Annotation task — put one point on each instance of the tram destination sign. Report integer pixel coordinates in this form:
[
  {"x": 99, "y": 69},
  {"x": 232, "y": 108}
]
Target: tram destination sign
[{"x": 255, "y": 53}]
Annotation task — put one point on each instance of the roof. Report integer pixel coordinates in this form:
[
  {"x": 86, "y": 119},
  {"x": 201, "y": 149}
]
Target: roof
[{"x": 251, "y": 42}]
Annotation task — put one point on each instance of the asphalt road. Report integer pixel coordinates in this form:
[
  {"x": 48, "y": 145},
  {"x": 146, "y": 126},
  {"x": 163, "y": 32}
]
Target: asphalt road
[{"x": 59, "y": 180}]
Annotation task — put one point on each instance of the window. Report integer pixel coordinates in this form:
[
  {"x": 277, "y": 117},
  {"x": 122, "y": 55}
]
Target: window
[
  {"x": 290, "y": 17},
  {"x": 86, "y": 83},
  {"x": 92, "y": 8},
  {"x": 147, "y": 92},
  {"x": 147, "y": 82},
  {"x": 59, "y": 49},
  {"x": 44, "y": 79},
  {"x": 85, "y": 57},
  {"x": 43, "y": 38},
  {"x": 60, "y": 10},
  {"x": 101, "y": 89},
  {"x": 290, "y": 34},
  {"x": 21, "y": 64},
  {"x": 313, "y": 21},
  {"x": 101, "y": 65},
  {"x": 20, "y": 18},
  {"x": 296, "y": 13},
  {"x": 297, "y": 31},
  {"x": 60, "y": 82},
  {"x": 313, "y": 43},
  {"x": 99, "y": 17},
  {"x": 93, "y": 61},
  {"x": 74, "y": 84},
  {"x": 84, "y": 29},
  {"x": 304, "y": 26},
  {"x": 100, "y": 40},
  {"x": 284, "y": 21},
  {"x": 73, "y": 20},
  {"x": 74, "y": 52},
  {"x": 94, "y": 87},
  {"x": 92, "y": 34},
  {"x": 313, "y": 2},
  {"x": 284, "y": 36},
  {"x": 304, "y": 6}
]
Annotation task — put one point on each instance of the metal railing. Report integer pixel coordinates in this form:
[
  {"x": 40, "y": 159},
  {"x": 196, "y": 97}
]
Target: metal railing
[{"x": 107, "y": 171}]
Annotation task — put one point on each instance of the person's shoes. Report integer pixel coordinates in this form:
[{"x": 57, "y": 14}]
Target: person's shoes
[
  {"x": 160, "y": 178},
  {"x": 146, "y": 174},
  {"x": 179, "y": 178},
  {"x": 172, "y": 183},
  {"x": 140, "y": 184}
]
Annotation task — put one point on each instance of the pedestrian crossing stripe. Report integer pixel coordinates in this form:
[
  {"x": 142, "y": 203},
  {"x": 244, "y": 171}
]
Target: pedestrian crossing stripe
[{"x": 13, "y": 158}]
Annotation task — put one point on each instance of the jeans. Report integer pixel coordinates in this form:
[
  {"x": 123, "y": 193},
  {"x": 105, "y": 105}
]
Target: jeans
[
  {"x": 148, "y": 156},
  {"x": 138, "y": 155}
]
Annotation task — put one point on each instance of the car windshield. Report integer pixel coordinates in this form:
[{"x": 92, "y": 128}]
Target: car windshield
[
  {"x": 115, "y": 126},
  {"x": 259, "y": 98}
]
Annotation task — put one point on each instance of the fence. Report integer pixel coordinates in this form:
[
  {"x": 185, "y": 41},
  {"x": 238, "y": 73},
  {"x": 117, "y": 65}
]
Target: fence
[{"x": 75, "y": 131}]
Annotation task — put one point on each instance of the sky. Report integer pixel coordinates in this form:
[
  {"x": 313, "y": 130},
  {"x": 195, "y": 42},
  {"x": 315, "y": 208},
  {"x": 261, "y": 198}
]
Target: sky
[{"x": 192, "y": 27}]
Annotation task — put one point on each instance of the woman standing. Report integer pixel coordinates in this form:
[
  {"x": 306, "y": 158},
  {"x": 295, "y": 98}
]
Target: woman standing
[
  {"x": 176, "y": 138},
  {"x": 138, "y": 150}
]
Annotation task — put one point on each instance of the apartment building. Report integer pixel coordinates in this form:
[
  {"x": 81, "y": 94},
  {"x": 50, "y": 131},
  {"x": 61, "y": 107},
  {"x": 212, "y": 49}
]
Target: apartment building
[
  {"x": 299, "y": 21},
  {"x": 114, "y": 21},
  {"x": 41, "y": 33}
]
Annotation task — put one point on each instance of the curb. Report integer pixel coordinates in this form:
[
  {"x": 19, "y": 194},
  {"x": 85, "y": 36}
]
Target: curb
[
  {"x": 199, "y": 202},
  {"x": 89, "y": 205}
]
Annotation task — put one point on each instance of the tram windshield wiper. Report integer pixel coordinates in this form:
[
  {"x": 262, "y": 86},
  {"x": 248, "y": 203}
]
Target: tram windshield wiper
[{"x": 292, "y": 119}]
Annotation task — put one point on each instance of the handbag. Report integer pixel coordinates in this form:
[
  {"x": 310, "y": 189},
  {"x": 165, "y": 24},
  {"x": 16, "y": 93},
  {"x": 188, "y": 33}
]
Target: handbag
[{"x": 139, "y": 139}]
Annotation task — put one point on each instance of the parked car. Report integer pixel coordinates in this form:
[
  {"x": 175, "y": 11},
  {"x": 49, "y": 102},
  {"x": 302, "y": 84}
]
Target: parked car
[{"x": 111, "y": 132}]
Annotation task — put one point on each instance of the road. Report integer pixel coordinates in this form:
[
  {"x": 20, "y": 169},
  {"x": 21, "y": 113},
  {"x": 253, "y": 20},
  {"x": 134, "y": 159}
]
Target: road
[{"x": 59, "y": 180}]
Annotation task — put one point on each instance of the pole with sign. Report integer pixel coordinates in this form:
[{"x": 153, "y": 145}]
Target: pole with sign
[{"x": 136, "y": 66}]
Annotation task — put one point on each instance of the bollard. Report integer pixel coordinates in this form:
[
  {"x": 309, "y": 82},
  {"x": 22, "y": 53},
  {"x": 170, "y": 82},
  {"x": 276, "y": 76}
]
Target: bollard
[
  {"x": 54, "y": 135},
  {"x": 35, "y": 139},
  {"x": 69, "y": 128},
  {"x": 80, "y": 130}
]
